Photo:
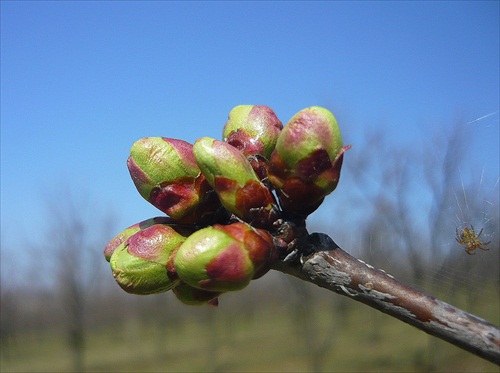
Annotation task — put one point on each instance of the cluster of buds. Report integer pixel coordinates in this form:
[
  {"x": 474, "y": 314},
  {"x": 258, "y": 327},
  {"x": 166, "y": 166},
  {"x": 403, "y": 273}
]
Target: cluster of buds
[{"x": 225, "y": 201}]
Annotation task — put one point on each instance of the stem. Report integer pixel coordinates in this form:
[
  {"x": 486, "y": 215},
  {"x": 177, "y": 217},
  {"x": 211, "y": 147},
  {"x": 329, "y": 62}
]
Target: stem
[{"x": 328, "y": 266}]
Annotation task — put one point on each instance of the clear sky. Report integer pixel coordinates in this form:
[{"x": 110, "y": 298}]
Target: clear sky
[{"x": 81, "y": 81}]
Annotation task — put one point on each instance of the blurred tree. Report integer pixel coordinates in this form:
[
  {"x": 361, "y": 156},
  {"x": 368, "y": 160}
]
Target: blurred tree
[
  {"x": 9, "y": 308},
  {"x": 305, "y": 315},
  {"x": 76, "y": 233}
]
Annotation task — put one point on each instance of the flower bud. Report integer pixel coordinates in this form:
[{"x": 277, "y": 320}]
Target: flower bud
[
  {"x": 126, "y": 233},
  {"x": 258, "y": 242},
  {"x": 224, "y": 257},
  {"x": 253, "y": 129},
  {"x": 233, "y": 178},
  {"x": 165, "y": 173},
  {"x": 306, "y": 164},
  {"x": 195, "y": 297},
  {"x": 139, "y": 263}
]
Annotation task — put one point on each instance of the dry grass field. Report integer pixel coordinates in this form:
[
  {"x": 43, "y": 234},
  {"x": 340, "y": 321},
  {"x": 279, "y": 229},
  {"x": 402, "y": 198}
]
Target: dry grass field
[{"x": 337, "y": 335}]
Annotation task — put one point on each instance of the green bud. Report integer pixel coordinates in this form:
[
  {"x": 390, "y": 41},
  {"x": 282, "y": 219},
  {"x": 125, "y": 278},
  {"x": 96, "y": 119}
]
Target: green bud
[
  {"x": 235, "y": 182},
  {"x": 253, "y": 129},
  {"x": 258, "y": 242},
  {"x": 306, "y": 164},
  {"x": 126, "y": 233},
  {"x": 165, "y": 173},
  {"x": 121, "y": 237},
  {"x": 139, "y": 264},
  {"x": 195, "y": 297},
  {"x": 224, "y": 258},
  {"x": 307, "y": 131}
]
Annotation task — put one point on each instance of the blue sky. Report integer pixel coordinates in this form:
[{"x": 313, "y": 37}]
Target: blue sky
[{"x": 81, "y": 81}]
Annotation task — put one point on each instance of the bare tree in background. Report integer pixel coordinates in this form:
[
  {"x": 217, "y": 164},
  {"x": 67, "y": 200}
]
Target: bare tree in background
[
  {"x": 9, "y": 307},
  {"x": 417, "y": 200},
  {"x": 76, "y": 233},
  {"x": 317, "y": 340}
]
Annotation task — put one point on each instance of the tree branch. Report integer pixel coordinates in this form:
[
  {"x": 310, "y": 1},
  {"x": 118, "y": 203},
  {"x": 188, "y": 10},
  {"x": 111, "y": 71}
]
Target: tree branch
[{"x": 325, "y": 264}]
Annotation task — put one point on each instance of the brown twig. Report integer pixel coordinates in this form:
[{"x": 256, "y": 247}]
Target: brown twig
[{"x": 328, "y": 266}]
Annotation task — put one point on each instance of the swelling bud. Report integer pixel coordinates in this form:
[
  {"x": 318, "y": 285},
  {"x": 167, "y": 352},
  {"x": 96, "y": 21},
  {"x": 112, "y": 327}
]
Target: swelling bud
[
  {"x": 305, "y": 165},
  {"x": 139, "y": 264},
  {"x": 224, "y": 257},
  {"x": 232, "y": 177},
  {"x": 195, "y": 297},
  {"x": 253, "y": 130},
  {"x": 165, "y": 173},
  {"x": 126, "y": 233}
]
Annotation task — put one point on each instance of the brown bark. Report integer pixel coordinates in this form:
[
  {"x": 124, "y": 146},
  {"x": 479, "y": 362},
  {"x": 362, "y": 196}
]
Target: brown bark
[{"x": 327, "y": 265}]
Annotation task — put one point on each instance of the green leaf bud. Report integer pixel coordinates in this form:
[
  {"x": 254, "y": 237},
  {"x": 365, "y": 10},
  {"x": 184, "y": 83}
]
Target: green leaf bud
[
  {"x": 126, "y": 233},
  {"x": 195, "y": 297},
  {"x": 253, "y": 129},
  {"x": 139, "y": 264},
  {"x": 165, "y": 173},
  {"x": 235, "y": 182},
  {"x": 305, "y": 165},
  {"x": 224, "y": 257},
  {"x": 258, "y": 242}
]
